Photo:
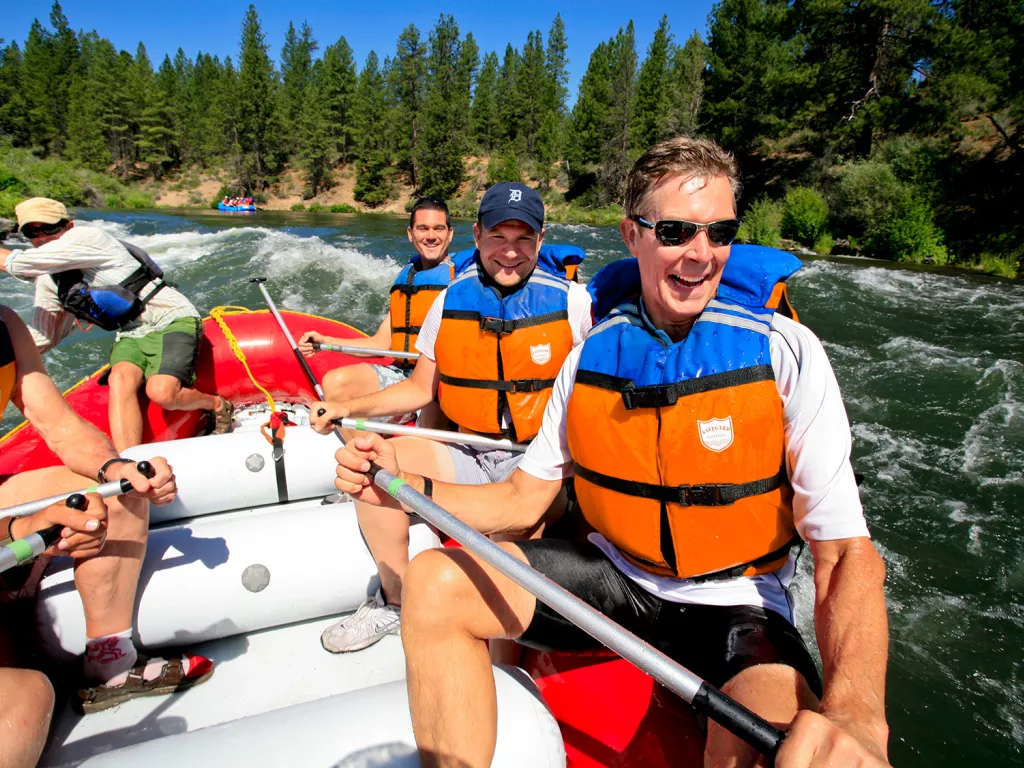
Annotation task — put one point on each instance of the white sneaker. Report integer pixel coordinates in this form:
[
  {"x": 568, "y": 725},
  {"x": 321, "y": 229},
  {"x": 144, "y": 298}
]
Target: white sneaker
[{"x": 371, "y": 622}]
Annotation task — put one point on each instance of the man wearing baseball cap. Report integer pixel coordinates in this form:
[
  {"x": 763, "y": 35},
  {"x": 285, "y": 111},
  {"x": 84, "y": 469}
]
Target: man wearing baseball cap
[
  {"x": 83, "y": 275},
  {"x": 490, "y": 348}
]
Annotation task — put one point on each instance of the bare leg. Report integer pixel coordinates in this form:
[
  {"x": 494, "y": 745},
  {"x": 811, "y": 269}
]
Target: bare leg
[
  {"x": 125, "y": 411},
  {"x": 454, "y": 603},
  {"x": 386, "y": 531},
  {"x": 432, "y": 417},
  {"x": 26, "y": 705},
  {"x": 350, "y": 382},
  {"x": 107, "y": 583},
  {"x": 167, "y": 392},
  {"x": 774, "y": 691}
]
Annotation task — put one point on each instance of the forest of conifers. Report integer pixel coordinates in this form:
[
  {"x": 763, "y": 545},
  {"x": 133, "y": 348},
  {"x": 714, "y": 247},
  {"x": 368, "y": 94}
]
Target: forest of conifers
[{"x": 891, "y": 126}]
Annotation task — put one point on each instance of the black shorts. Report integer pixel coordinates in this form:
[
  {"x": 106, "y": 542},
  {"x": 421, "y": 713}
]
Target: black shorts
[{"x": 713, "y": 642}]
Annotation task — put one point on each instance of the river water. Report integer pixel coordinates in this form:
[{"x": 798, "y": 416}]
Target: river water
[{"x": 931, "y": 369}]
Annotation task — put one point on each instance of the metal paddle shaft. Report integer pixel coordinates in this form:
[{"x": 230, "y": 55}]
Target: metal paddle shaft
[
  {"x": 113, "y": 488},
  {"x": 442, "y": 435},
  {"x": 24, "y": 549},
  {"x": 704, "y": 697},
  {"x": 367, "y": 351},
  {"x": 288, "y": 335}
]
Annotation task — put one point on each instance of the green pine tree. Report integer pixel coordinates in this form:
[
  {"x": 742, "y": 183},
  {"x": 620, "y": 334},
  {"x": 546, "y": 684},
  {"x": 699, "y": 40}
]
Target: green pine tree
[
  {"x": 296, "y": 73},
  {"x": 370, "y": 113},
  {"x": 337, "y": 89},
  {"x": 258, "y": 120},
  {"x": 14, "y": 109},
  {"x": 407, "y": 87},
  {"x": 686, "y": 86},
  {"x": 444, "y": 120},
  {"x": 317, "y": 153},
  {"x": 652, "y": 108}
]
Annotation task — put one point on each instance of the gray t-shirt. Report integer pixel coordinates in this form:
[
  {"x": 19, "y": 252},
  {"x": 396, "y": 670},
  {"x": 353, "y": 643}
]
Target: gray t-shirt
[{"x": 103, "y": 261}]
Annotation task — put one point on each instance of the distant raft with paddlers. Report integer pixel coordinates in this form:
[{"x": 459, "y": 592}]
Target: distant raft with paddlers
[{"x": 237, "y": 205}]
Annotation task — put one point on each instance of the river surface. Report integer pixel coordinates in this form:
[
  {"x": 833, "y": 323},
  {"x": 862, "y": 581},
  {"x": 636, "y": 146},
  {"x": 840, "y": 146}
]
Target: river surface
[{"x": 931, "y": 369}]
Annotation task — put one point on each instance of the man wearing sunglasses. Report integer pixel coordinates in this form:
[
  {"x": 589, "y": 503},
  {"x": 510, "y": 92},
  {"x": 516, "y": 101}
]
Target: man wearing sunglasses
[
  {"x": 708, "y": 440},
  {"x": 84, "y": 276}
]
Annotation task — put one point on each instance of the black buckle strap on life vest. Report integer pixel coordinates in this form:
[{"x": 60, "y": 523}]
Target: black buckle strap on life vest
[
  {"x": 664, "y": 395},
  {"x": 711, "y": 495},
  {"x": 406, "y": 329},
  {"x": 503, "y": 327},
  {"x": 738, "y": 570},
  {"x": 515, "y": 386},
  {"x": 409, "y": 289}
]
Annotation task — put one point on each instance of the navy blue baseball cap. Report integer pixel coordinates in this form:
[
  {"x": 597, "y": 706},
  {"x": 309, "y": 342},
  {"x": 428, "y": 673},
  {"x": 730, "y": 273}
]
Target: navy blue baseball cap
[{"x": 511, "y": 200}]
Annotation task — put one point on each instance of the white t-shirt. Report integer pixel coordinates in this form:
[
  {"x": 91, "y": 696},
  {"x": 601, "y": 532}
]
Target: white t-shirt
[
  {"x": 104, "y": 262},
  {"x": 826, "y": 503},
  {"x": 578, "y": 310}
]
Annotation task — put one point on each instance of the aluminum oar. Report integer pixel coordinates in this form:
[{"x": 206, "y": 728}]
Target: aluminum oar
[
  {"x": 441, "y": 435},
  {"x": 367, "y": 351},
  {"x": 22, "y": 550},
  {"x": 700, "y": 694},
  {"x": 113, "y": 488}
]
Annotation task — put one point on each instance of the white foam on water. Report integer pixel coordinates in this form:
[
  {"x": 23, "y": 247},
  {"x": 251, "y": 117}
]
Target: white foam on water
[
  {"x": 113, "y": 228},
  {"x": 573, "y": 230},
  {"x": 902, "y": 350},
  {"x": 993, "y": 448},
  {"x": 176, "y": 248}
]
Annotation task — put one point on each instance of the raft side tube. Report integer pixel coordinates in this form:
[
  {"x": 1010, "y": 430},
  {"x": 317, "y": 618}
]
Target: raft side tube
[
  {"x": 221, "y": 473},
  {"x": 362, "y": 728},
  {"x": 232, "y": 573}
]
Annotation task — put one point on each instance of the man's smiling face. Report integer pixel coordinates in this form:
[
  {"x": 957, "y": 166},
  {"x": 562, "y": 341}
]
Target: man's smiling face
[
  {"x": 508, "y": 251},
  {"x": 678, "y": 281}
]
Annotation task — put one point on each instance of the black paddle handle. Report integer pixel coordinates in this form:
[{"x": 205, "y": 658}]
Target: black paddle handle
[{"x": 753, "y": 729}]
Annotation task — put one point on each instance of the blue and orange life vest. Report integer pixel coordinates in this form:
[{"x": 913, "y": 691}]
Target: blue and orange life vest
[
  {"x": 412, "y": 295},
  {"x": 495, "y": 351},
  {"x": 679, "y": 448}
]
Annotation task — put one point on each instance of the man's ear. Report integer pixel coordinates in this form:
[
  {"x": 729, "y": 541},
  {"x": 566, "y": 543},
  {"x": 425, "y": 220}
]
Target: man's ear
[
  {"x": 629, "y": 230},
  {"x": 477, "y": 234}
]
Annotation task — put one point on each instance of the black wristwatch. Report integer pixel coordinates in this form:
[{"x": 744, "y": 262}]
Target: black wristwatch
[
  {"x": 102, "y": 474},
  {"x": 428, "y": 487}
]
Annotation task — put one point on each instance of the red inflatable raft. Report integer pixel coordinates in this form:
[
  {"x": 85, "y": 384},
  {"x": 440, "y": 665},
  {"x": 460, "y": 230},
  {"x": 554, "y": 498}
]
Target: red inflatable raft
[{"x": 610, "y": 713}]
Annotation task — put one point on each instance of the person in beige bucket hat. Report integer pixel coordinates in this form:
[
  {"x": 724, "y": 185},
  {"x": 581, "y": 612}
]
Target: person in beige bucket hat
[{"x": 85, "y": 276}]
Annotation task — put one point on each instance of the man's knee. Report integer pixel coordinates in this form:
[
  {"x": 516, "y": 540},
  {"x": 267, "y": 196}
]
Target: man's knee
[
  {"x": 430, "y": 588},
  {"x": 163, "y": 390},
  {"x": 125, "y": 378},
  {"x": 29, "y": 695},
  {"x": 350, "y": 382}
]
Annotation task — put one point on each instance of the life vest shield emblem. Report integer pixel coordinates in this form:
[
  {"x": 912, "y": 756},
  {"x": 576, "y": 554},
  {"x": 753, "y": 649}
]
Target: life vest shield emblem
[
  {"x": 716, "y": 434},
  {"x": 541, "y": 353}
]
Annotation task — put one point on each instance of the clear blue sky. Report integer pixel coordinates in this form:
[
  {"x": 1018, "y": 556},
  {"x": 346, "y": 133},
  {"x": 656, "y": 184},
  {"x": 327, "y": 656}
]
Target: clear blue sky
[{"x": 214, "y": 27}]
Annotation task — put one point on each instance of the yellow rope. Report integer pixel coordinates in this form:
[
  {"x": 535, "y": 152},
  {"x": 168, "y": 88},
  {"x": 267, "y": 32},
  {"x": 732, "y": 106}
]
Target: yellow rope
[{"x": 217, "y": 314}]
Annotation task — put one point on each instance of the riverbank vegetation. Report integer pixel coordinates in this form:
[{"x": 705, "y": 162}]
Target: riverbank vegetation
[{"x": 890, "y": 129}]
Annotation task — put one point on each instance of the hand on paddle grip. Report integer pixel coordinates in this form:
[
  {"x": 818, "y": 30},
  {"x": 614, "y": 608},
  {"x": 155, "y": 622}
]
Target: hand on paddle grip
[
  {"x": 152, "y": 480},
  {"x": 77, "y": 528},
  {"x": 814, "y": 741},
  {"x": 323, "y": 414},
  {"x": 365, "y": 452},
  {"x": 307, "y": 340}
]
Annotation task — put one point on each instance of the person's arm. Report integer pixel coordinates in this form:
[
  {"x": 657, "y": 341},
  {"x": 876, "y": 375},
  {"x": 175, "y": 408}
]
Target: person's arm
[
  {"x": 405, "y": 396},
  {"x": 78, "y": 444},
  {"x": 513, "y": 506},
  {"x": 5, "y": 254},
  {"x": 853, "y": 636},
  {"x": 850, "y": 619},
  {"x": 380, "y": 340}
]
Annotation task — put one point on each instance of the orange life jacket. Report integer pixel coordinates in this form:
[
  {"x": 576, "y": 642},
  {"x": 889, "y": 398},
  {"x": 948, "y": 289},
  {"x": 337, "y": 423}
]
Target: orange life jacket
[
  {"x": 496, "y": 351},
  {"x": 412, "y": 295},
  {"x": 679, "y": 449}
]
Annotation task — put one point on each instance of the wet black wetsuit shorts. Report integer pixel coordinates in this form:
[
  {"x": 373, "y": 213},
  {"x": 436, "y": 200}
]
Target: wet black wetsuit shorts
[{"x": 714, "y": 642}]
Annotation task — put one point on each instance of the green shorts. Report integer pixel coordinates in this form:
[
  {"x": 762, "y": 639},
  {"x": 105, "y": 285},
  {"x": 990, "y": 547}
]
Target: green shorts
[{"x": 171, "y": 351}]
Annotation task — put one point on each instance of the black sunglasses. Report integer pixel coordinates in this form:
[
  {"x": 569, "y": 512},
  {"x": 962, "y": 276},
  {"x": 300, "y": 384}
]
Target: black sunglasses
[
  {"x": 32, "y": 231},
  {"x": 674, "y": 232}
]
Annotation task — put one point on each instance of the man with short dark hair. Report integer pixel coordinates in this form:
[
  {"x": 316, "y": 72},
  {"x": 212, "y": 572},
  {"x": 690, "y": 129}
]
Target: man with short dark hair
[
  {"x": 413, "y": 291},
  {"x": 489, "y": 347},
  {"x": 707, "y": 438},
  {"x": 83, "y": 275}
]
